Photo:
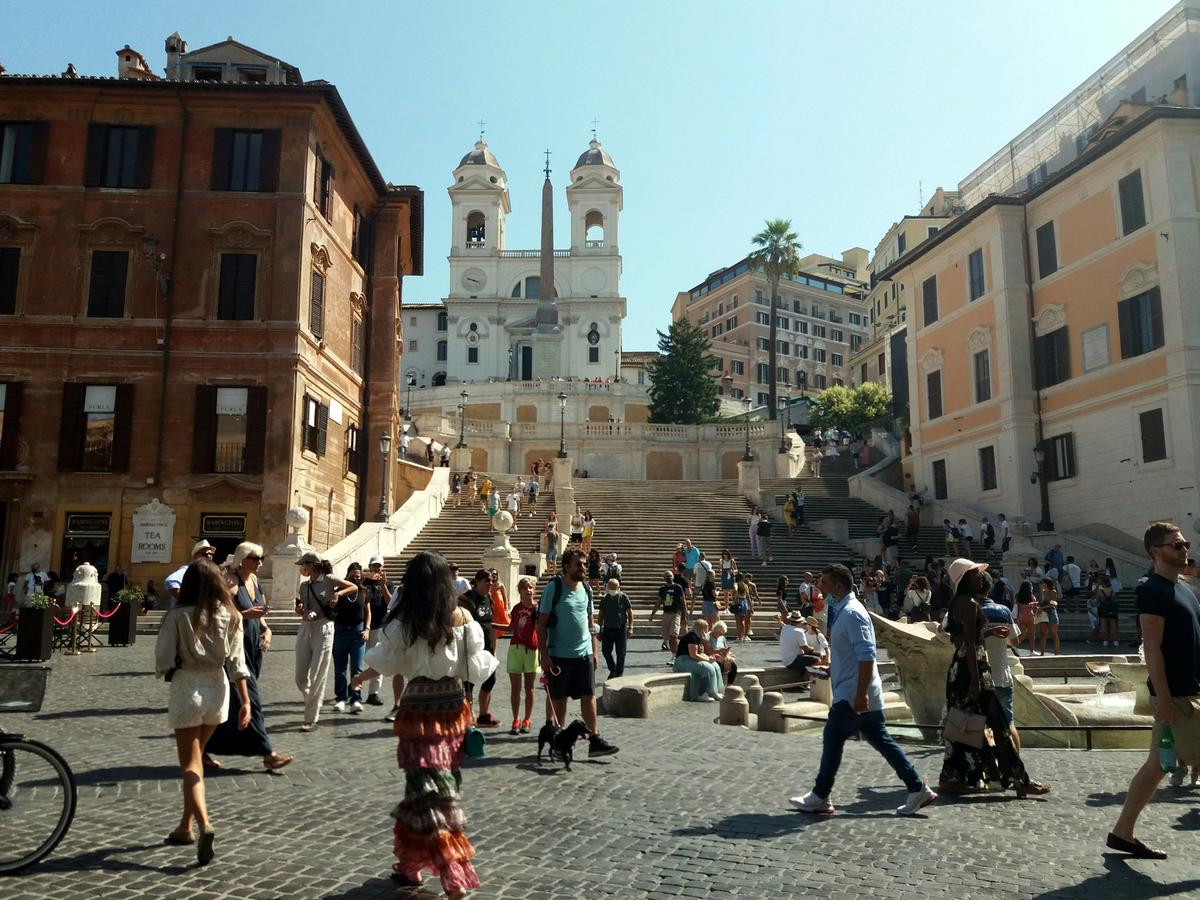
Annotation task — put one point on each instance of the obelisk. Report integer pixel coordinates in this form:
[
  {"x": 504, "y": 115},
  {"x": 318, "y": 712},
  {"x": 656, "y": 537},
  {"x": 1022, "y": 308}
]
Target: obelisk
[{"x": 547, "y": 311}]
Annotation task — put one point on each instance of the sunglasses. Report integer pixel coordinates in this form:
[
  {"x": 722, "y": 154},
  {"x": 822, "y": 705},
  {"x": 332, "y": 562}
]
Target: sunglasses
[
  {"x": 254, "y": 558},
  {"x": 1178, "y": 545}
]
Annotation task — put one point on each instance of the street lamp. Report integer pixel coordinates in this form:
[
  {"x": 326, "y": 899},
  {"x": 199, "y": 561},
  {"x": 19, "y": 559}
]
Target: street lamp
[
  {"x": 787, "y": 404},
  {"x": 747, "y": 456},
  {"x": 385, "y": 447},
  {"x": 462, "y": 419},
  {"x": 617, "y": 369},
  {"x": 412, "y": 382},
  {"x": 562, "y": 425},
  {"x": 1039, "y": 455}
]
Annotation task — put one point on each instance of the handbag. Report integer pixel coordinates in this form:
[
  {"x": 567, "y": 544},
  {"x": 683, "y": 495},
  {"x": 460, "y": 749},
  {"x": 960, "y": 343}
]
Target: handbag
[
  {"x": 474, "y": 743},
  {"x": 170, "y": 673},
  {"x": 963, "y": 727}
]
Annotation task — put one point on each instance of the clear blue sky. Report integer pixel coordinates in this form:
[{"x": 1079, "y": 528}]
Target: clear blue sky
[{"x": 719, "y": 114}]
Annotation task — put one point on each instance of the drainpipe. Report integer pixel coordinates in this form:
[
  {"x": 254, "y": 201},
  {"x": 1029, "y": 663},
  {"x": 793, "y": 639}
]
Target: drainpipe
[
  {"x": 368, "y": 264},
  {"x": 1044, "y": 523},
  {"x": 168, "y": 281}
]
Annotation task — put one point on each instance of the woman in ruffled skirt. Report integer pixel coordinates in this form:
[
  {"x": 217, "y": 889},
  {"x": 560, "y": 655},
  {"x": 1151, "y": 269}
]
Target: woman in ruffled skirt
[{"x": 436, "y": 646}]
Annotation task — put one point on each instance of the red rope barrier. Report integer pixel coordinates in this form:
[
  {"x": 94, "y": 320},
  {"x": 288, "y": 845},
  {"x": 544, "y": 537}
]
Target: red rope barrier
[
  {"x": 112, "y": 612},
  {"x": 67, "y": 621},
  {"x": 11, "y": 626}
]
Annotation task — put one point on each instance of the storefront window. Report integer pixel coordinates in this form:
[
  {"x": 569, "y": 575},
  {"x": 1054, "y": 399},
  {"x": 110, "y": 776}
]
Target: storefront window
[
  {"x": 231, "y": 429},
  {"x": 85, "y": 539},
  {"x": 99, "y": 412},
  {"x": 224, "y": 531}
]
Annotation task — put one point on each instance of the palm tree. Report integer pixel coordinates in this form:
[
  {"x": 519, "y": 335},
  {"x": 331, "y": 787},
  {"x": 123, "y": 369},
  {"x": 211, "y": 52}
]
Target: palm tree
[{"x": 778, "y": 254}]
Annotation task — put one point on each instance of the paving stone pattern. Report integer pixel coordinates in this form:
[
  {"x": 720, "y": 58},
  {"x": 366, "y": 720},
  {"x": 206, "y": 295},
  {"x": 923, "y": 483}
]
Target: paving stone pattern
[{"x": 687, "y": 809}]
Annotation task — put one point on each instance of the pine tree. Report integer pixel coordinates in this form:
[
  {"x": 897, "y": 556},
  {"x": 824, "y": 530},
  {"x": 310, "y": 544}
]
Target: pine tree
[{"x": 682, "y": 390}]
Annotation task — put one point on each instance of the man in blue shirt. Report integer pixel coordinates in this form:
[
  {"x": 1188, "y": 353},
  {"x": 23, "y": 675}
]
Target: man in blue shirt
[{"x": 857, "y": 699}]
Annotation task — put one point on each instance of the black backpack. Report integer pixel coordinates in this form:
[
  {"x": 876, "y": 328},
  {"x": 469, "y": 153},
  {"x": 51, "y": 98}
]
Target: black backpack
[{"x": 559, "y": 588}]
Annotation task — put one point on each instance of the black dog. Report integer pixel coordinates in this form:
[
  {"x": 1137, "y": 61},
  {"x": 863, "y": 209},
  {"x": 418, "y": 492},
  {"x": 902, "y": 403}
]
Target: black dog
[{"x": 561, "y": 740}]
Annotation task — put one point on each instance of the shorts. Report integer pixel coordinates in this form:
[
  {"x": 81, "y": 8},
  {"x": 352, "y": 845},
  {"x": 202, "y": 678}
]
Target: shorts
[
  {"x": 576, "y": 537},
  {"x": 521, "y": 660},
  {"x": 576, "y": 677},
  {"x": 727, "y": 580},
  {"x": 1004, "y": 695},
  {"x": 552, "y": 551},
  {"x": 708, "y": 608},
  {"x": 1052, "y": 616},
  {"x": 740, "y": 609},
  {"x": 670, "y": 623},
  {"x": 1186, "y": 730}
]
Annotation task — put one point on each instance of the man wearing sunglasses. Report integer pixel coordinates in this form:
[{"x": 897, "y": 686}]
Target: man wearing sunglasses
[{"x": 1170, "y": 618}]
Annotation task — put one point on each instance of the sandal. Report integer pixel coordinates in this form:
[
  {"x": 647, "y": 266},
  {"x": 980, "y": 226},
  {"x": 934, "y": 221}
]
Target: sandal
[
  {"x": 1033, "y": 788},
  {"x": 180, "y": 838},
  {"x": 275, "y": 761},
  {"x": 209, "y": 763},
  {"x": 1134, "y": 848},
  {"x": 399, "y": 876}
]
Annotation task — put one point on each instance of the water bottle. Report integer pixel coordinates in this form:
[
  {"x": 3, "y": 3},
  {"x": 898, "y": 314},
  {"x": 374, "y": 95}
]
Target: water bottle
[{"x": 1166, "y": 749}]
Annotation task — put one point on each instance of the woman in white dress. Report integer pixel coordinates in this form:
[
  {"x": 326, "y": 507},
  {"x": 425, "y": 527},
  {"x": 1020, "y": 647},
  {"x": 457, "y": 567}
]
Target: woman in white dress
[{"x": 199, "y": 643}]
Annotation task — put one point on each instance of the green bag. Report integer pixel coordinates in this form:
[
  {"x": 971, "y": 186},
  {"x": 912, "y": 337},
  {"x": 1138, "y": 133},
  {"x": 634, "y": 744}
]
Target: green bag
[{"x": 474, "y": 743}]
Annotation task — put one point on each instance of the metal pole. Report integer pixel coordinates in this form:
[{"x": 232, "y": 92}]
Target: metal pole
[
  {"x": 748, "y": 456},
  {"x": 462, "y": 427},
  {"x": 562, "y": 426},
  {"x": 408, "y": 402}
]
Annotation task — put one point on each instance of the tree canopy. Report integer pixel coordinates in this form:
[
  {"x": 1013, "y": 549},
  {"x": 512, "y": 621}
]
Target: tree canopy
[
  {"x": 851, "y": 409},
  {"x": 682, "y": 389}
]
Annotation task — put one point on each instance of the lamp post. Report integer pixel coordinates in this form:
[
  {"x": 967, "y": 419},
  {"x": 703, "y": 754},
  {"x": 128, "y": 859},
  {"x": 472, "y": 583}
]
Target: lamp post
[
  {"x": 747, "y": 456},
  {"x": 787, "y": 404},
  {"x": 1039, "y": 454},
  {"x": 412, "y": 382},
  {"x": 562, "y": 425},
  {"x": 617, "y": 368},
  {"x": 385, "y": 447},
  {"x": 462, "y": 421}
]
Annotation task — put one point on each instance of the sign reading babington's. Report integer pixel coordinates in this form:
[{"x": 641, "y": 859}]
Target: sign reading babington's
[{"x": 153, "y": 531}]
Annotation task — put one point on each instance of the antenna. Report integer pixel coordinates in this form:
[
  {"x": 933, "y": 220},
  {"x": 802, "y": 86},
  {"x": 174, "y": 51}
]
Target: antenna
[
  {"x": 920, "y": 196},
  {"x": 595, "y": 124},
  {"x": 547, "y": 164},
  {"x": 481, "y": 124}
]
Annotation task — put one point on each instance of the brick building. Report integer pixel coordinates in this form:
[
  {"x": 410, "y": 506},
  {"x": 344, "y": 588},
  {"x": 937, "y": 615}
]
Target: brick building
[{"x": 200, "y": 281}]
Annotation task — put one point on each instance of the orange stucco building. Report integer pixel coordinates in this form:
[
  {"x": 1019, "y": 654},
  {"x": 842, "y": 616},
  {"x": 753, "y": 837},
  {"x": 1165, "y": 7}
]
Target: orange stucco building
[
  {"x": 1065, "y": 320},
  {"x": 200, "y": 282}
]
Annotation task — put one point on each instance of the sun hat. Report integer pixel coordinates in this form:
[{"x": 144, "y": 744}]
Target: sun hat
[
  {"x": 961, "y": 567},
  {"x": 812, "y": 620},
  {"x": 796, "y": 617},
  {"x": 201, "y": 545}
]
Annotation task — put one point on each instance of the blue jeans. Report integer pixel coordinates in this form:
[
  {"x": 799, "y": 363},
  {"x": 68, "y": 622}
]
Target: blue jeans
[
  {"x": 844, "y": 722},
  {"x": 349, "y": 650}
]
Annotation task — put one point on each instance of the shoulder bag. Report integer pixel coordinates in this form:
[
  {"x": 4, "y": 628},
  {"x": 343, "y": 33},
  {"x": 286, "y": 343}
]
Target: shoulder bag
[{"x": 963, "y": 727}]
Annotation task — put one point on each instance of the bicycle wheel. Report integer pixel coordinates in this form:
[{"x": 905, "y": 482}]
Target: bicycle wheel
[{"x": 37, "y": 802}]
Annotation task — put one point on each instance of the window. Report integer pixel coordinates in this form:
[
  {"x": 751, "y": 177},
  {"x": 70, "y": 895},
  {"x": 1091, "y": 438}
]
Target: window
[
  {"x": 641, "y": 379},
  {"x": 442, "y": 321},
  {"x": 206, "y": 73},
  {"x": 315, "y": 432},
  {"x": 1133, "y": 204},
  {"x": 987, "y": 468},
  {"x": 412, "y": 346},
  {"x": 762, "y": 318},
  {"x": 855, "y": 318},
  {"x": 593, "y": 354},
  {"x": 351, "y": 456},
  {"x": 819, "y": 354},
  {"x": 862, "y": 374},
  {"x": 929, "y": 300},
  {"x": 472, "y": 355},
  {"x": 1047, "y": 250},
  {"x": 10, "y": 422},
  {"x": 975, "y": 274},
  {"x": 835, "y": 359},
  {"x": 442, "y": 354},
  {"x": 96, "y": 428},
  {"x": 106, "y": 289},
  {"x": 718, "y": 364},
  {"x": 1154, "y": 437},
  {"x": 1139, "y": 321},
  {"x": 235, "y": 293},
  {"x": 316, "y": 305},
  {"x": 10, "y": 268},
  {"x": 933, "y": 394},
  {"x": 930, "y": 231},
  {"x": 323, "y": 174},
  {"x": 881, "y": 363},
  {"x": 759, "y": 297},
  {"x": 782, "y": 322},
  {"x": 818, "y": 331},
  {"x": 781, "y": 374},
  {"x": 835, "y": 334},
  {"x": 764, "y": 343},
  {"x": 763, "y": 398},
  {"x": 782, "y": 347},
  {"x": 855, "y": 342},
  {"x": 801, "y": 327},
  {"x": 763, "y": 372},
  {"x": 819, "y": 381},
  {"x": 731, "y": 323},
  {"x": 737, "y": 393},
  {"x": 361, "y": 236},
  {"x": 22, "y": 152},
  {"x": 737, "y": 367},
  {"x": 357, "y": 345},
  {"x": 230, "y": 429},
  {"x": 940, "y": 488},
  {"x": 982, "y": 365},
  {"x": 901, "y": 243},
  {"x": 119, "y": 156},
  {"x": 245, "y": 160},
  {"x": 1052, "y": 358},
  {"x": 1060, "y": 460},
  {"x": 801, "y": 351}
]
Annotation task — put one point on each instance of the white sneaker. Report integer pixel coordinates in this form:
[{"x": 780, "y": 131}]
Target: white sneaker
[
  {"x": 707, "y": 698},
  {"x": 340, "y": 706},
  {"x": 355, "y": 707},
  {"x": 1195, "y": 778},
  {"x": 811, "y": 803},
  {"x": 917, "y": 801},
  {"x": 1177, "y": 776}
]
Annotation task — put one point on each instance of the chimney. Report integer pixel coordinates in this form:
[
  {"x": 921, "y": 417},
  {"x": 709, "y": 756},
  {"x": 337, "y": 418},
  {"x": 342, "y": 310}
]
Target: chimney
[
  {"x": 176, "y": 46},
  {"x": 132, "y": 66}
]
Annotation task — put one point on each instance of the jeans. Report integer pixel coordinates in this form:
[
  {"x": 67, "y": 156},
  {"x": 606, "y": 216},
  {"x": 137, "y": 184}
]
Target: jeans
[
  {"x": 843, "y": 722},
  {"x": 349, "y": 648},
  {"x": 610, "y": 639}
]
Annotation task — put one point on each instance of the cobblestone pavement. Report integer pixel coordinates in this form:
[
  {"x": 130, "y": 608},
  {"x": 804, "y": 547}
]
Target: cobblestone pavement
[{"x": 687, "y": 809}]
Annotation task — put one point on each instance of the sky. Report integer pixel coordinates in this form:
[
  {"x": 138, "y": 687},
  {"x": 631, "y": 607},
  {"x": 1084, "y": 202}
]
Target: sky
[{"x": 838, "y": 116}]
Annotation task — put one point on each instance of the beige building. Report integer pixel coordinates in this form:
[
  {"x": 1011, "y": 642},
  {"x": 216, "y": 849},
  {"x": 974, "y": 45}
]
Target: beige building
[{"x": 822, "y": 321}]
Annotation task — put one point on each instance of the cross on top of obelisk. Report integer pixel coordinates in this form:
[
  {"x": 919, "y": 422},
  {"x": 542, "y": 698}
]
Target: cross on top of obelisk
[{"x": 547, "y": 164}]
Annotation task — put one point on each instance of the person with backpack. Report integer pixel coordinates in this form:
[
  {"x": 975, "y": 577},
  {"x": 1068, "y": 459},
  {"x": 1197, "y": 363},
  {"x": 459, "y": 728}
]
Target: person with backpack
[
  {"x": 479, "y": 603},
  {"x": 567, "y": 647},
  {"x": 987, "y": 534}
]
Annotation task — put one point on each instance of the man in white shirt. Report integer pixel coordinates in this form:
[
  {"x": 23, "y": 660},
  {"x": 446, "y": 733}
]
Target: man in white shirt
[
  {"x": 797, "y": 648},
  {"x": 34, "y": 579},
  {"x": 514, "y": 506},
  {"x": 461, "y": 584},
  {"x": 200, "y": 550},
  {"x": 701, "y": 572},
  {"x": 1003, "y": 533}
]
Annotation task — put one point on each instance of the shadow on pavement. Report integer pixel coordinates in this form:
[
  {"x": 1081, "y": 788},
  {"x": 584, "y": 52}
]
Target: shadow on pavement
[
  {"x": 95, "y": 712},
  {"x": 102, "y": 859},
  {"x": 385, "y": 887},
  {"x": 1124, "y": 881}
]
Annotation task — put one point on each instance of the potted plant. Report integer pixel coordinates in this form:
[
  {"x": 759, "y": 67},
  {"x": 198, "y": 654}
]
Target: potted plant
[
  {"x": 122, "y": 622},
  {"x": 35, "y": 628}
]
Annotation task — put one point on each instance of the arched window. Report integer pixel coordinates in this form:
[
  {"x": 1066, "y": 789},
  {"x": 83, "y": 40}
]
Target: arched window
[
  {"x": 593, "y": 224},
  {"x": 533, "y": 287},
  {"x": 441, "y": 351},
  {"x": 443, "y": 321},
  {"x": 476, "y": 229}
]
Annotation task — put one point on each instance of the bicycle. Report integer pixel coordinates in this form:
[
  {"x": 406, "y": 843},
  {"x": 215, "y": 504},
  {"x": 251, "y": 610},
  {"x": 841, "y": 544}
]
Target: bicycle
[{"x": 37, "y": 788}]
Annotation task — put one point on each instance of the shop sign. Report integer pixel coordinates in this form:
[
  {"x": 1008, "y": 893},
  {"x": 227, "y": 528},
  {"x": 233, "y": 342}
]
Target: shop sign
[
  {"x": 153, "y": 533},
  {"x": 88, "y": 523},
  {"x": 223, "y": 525}
]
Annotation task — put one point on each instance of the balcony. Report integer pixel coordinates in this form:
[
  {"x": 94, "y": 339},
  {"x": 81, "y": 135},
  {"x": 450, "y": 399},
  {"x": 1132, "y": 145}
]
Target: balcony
[
  {"x": 532, "y": 254},
  {"x": 593, "y": 245}
]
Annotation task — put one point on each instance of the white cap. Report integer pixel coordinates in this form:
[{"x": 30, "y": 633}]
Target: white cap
[{"x": 376, "y": 560}]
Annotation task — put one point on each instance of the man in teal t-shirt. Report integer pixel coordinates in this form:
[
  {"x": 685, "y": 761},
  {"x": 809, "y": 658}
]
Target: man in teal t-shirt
[{"x": 567, "y": 648}]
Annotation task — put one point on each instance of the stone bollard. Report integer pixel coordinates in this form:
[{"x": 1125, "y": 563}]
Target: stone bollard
[
  {"x": 734, "y": 708},
  {"x": 821, "y": 691},
  {"x": 770, "y": 713},
  {"x": 753, "y": 691}
]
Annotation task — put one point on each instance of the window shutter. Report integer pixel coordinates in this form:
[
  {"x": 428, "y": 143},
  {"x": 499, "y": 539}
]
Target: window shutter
[
  {"x": 106, "y": 293},
  {"x": 10, "y": 268},
  {"x": 256, "y": 430},
  {"x": 318, "y": 174},
  {"x": 122, "y": 428},
  {"x": 316, "y": 310},
  {"x": 145, "y": 157},
  {"x": 1062, "y": 341},
  {"x": 204, "y": 433},
  {"x": 9, "y": 439},
  {"x": 1125, "y": 326},
  {"x": 322, "y": 428},
  {"x": 1154, "y": 298},
  {"x": 36, "y": 171},
  {"x": 1069, "y": 454},
  {"x": 221, "y": 159},
  {"x": 70, "y": 431},
  {"x": 93, "y": 167},
  {"x": 328, "y": 191},
  {"x": 268, "y": 179}
]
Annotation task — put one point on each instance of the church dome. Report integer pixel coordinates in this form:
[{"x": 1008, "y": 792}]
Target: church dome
[
  {"x": 595, "y": 155},
  {"x": 480, "y": 156}
]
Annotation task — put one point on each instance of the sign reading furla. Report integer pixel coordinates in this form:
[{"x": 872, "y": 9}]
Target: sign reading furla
[{"x": 153, "y": 532}]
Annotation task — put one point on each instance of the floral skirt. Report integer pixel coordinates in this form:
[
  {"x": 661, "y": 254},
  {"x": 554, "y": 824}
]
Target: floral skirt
[{"x": 430, "y": 725}]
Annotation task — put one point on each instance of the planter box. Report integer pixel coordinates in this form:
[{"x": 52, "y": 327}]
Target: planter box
[
  {"x": 122, "y": 626},
  {"x": 35, "y": 634}
]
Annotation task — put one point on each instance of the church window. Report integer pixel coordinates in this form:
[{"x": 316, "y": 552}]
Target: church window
[
  {"x": 472, "y": 355},
  {"x": 476, "y": 229},
  {"x": 593, "y": 224},
  {"x": 532, "y": 288},
  {"x": 441, "y": 351},
  {"x": 443, "y": 321}
]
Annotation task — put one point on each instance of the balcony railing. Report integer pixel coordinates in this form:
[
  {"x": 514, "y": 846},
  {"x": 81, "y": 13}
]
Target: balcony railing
[
  {"x": 532, "y": 254},
  {"x": 593, "y": 245},
  {"x": 231, "y": 458}
]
